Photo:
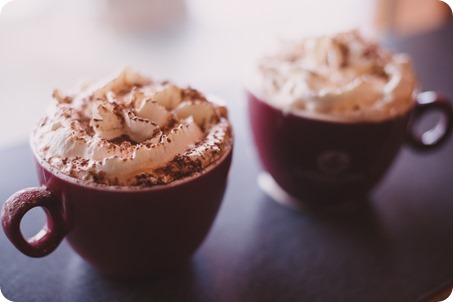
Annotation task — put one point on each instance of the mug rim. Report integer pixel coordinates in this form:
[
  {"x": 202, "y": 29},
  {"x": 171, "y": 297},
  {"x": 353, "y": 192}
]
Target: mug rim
[
  {"x": 324, "y": 118},
  {"x": 103, "y": 187}
]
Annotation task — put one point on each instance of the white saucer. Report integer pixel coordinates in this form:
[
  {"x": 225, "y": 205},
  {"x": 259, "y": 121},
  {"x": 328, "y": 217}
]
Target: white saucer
[{"x": 276, "y": 193}]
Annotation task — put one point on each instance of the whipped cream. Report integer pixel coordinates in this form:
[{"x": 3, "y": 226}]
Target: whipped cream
[
  {"x": 132, "y": 131},
  {"x": 340, "y": 77}
]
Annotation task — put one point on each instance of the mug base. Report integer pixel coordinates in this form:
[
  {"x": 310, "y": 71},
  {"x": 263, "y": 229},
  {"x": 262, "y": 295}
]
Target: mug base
[{"x": 269, "y": 186}]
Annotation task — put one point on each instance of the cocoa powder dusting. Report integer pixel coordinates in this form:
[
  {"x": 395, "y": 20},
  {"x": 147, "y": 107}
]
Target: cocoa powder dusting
[
  {"x": 180, "y": 167},
  {"x": 123, "y": 100},
  {"x": 192, "y": 94}
]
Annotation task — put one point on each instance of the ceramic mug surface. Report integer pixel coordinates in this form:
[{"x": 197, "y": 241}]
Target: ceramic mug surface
[
  {"x": 320, "y": 161},
  {"x": 125, "y": 232}
]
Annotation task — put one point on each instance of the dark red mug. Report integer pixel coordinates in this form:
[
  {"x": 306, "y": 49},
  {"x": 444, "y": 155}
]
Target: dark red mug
[
  {"x": 324, "y": 162},
  {"x": 125, "y": 232}
]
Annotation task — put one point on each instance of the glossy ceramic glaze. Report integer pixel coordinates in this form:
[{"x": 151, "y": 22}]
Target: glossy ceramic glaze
[
  {"x": 321, "y": 161},
  {"x": 123, "y": 232}
]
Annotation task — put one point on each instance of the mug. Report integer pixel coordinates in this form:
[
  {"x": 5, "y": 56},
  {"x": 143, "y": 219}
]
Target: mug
[
  {"x": 320, "y": 162},
  {"x": 125, "y": 232}
]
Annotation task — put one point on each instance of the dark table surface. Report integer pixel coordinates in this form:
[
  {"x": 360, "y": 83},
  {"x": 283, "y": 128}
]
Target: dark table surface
[{"x": 395, "y": 246}]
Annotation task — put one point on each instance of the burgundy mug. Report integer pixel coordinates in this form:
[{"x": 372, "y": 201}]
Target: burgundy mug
[
  {"x": 323, "y": 162},
  {"x": 125, "y": 232}
]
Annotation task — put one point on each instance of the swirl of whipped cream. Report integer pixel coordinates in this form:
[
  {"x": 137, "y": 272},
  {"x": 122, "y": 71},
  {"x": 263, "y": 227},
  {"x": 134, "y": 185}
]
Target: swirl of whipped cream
[
  {"x": 131, "y": 131},
  {"x": 340, "y": 77}
]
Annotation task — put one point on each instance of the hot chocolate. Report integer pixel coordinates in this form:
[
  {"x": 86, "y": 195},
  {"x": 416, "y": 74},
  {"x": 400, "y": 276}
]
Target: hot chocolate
[
  {"x": 329, "y": 115},
  {"x": 342, "y": 77},
  {"x": 133, "y": 131},
  {"x": 132, "y": 173}
]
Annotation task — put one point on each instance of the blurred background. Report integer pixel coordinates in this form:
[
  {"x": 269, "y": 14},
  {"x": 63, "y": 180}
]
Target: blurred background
[{"x": 47, "y": 44}]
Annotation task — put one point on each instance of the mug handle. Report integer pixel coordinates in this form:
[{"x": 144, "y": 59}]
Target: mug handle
[
  {"x": 49, "y": 237},
  {"x": 430, "y": 101}
]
